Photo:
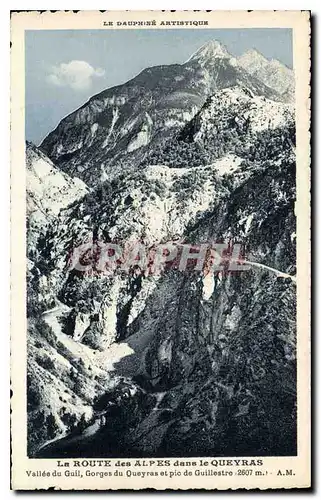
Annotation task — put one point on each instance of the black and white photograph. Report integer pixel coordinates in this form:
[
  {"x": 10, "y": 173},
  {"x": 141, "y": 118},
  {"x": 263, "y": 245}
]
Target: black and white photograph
[{"x": 161, "y": 185}]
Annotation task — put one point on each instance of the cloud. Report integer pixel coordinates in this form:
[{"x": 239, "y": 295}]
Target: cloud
[{"x": 77, "y": 75}]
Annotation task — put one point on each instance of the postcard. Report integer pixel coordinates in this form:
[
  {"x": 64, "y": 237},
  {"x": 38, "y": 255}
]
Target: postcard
[{"x": 160, "y": 274}]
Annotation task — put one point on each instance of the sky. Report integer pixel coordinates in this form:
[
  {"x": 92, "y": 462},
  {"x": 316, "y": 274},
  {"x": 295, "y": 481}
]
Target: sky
[{"x": 64, "y": 68}]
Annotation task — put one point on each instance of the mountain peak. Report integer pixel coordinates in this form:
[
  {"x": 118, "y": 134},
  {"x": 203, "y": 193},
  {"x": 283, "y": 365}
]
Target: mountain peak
[
  {"x": 213, "y": 49},
  {"x": 254, "y": 53},
  {"x": 274, "y": 73},
  {"x": 252, "y": 57}
]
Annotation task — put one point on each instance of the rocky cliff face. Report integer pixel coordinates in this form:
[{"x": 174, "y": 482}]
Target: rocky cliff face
[
  {"x": 48, "y": 191},
  {"x": 180, "y": 362}
]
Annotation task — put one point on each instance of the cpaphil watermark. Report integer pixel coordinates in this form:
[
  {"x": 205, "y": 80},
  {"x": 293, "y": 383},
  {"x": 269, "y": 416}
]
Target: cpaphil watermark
[{"x": 136, "y": 257}]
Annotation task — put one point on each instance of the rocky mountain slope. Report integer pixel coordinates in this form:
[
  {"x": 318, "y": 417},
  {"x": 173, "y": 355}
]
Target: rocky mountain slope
[
  {"x": 115, "y": 129},
  {"x": 276, "y": 75},
  {"x": 181, "y": 362},
  {"x": 48, "y": 191}
]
